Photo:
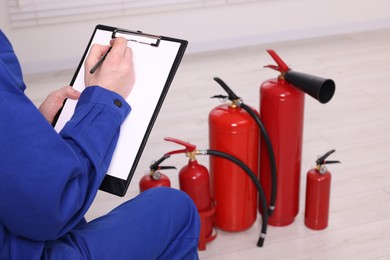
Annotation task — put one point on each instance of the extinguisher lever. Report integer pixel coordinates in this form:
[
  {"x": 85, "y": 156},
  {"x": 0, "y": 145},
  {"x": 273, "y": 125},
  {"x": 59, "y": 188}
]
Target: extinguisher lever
[
  {"x": 154, "y": 166},
  {"x": 189, "y": 148},
  {"x": 321, "y": 160},
  {"x": 282, "y": 66},
  {"x": 231, "y": 94}
]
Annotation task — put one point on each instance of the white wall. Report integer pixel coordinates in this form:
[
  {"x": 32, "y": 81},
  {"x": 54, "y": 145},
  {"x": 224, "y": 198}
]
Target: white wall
[{"x": 53, "y": 47}]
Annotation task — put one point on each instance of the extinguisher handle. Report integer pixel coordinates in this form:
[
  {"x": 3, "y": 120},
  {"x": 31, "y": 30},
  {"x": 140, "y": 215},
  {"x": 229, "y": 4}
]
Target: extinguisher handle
[
  {"x": 282, "y": 66},
  {"x": 330, "y": 162},
  {"x": 188, "y": 146},
  {"x": 166, "y": 167},
  {"x": 223, "y": 97}
]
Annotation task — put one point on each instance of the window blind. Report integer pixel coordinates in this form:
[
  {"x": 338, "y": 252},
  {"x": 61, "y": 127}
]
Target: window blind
[{"x": 25, "y": 13}]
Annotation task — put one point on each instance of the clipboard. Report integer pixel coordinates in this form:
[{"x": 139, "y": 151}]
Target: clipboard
[{"x": 156, "y": 60}]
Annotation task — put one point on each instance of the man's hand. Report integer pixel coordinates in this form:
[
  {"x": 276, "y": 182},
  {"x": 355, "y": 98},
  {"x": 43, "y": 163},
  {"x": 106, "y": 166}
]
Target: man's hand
[
  {"x": 116, "y": 73},
  {"x": 54, "y": 101}
]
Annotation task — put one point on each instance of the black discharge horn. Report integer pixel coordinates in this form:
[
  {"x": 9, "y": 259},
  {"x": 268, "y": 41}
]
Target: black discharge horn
[{"x": 319, "y": 88}]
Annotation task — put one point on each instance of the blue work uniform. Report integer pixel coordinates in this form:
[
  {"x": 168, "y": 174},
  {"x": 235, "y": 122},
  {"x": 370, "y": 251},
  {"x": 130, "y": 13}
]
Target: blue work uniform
[{"x": 48, "y": 182}]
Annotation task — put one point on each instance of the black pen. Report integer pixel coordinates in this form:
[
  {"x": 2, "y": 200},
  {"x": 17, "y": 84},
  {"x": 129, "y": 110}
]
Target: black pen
[{"x": 100, "y": 61}]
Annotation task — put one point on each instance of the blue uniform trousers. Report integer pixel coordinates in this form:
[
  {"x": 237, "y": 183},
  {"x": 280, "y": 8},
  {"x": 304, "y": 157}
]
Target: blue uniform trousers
[{"x": 160, "y": 223}]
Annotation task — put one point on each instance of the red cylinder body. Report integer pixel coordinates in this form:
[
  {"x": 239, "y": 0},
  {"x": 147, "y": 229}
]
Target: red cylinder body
[
  {"x": 147, "y": 182},
  {"x": 194, "y": 180},
  {"x": 282, "y": 112},
  {"x": 317, "y": 199},
  {"x": 232, "y": 130}
]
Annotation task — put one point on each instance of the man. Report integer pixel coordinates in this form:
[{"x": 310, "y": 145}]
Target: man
[{"x": 48, "y": 181}]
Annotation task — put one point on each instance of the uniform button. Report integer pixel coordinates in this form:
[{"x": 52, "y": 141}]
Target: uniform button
[{"x": 118, "y": 103}]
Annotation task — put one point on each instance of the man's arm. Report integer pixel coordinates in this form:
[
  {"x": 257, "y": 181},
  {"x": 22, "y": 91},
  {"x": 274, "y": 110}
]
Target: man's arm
[{"x": 51, "y": 179}]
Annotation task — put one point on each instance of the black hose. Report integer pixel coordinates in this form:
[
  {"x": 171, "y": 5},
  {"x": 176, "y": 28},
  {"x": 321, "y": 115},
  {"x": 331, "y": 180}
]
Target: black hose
[
  {"x": 271, "y": 157},
  {"x": 253, "y": 177}
]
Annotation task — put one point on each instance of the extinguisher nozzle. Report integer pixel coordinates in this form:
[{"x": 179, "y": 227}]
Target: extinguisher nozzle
[
  {"x": 271, "y": 210},
  {"x": 319, "y": 88},
  {"x": 260, "y": 242}
]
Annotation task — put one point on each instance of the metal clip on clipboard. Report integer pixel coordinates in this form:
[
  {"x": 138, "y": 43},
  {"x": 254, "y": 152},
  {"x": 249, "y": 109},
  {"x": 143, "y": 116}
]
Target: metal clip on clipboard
[{"x": 137, "y": 36}]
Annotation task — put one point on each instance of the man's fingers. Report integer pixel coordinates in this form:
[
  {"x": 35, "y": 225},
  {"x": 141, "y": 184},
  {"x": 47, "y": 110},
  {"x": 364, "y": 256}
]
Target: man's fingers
[
  {"x": 118, "y": 46},
  {"x": 66, "y": 92},
  {"x": 72, "y": 93},
  {"x": 96, "y": 52}
]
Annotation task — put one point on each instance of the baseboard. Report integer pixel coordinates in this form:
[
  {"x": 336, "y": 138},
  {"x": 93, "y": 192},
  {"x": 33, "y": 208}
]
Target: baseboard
[{"x": 291, "y": 35}]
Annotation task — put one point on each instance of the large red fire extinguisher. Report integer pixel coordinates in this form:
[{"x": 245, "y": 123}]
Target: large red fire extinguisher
[
  {"x": 194, "y": 180},
  {"x": 237, "y": 101},
  {"x": 282, "y": 111},
  {"x": 233, "y": 131},
  {"x": 318, "y": 182},
  {"x": 155, "y": 178}
]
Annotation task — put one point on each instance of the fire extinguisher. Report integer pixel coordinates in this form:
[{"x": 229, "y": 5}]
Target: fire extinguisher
[
  {"x": 194, "y": 180},
  {"x": 282, "y": 112},
  {"x": 238, "y": 102},
  {"x": 155, "y": 178},
  {"x": 232, "y": 130},
  {"x": 318, "y": 182},
  {"x": 191, "y": 151}
]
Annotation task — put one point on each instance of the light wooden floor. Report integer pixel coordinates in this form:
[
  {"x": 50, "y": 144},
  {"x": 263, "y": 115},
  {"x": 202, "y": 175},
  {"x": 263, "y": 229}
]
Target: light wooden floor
[{"x": 355, "y": 123}]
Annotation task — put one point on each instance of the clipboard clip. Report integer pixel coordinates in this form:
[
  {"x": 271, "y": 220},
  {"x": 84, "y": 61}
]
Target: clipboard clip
[{"x": 137, "y": 36}]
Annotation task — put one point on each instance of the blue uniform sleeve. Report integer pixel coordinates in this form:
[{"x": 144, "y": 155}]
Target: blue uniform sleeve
[{"x": 49, "y": 180}]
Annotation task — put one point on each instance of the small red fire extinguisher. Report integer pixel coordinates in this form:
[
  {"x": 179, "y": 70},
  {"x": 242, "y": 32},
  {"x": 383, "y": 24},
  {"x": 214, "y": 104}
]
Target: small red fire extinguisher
[
  {"x": 318, "y": 182},
  {"x": 155, "y": 178},
  {"x": 194, "y": 180},
  {"x": 282, "y": 112}
]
